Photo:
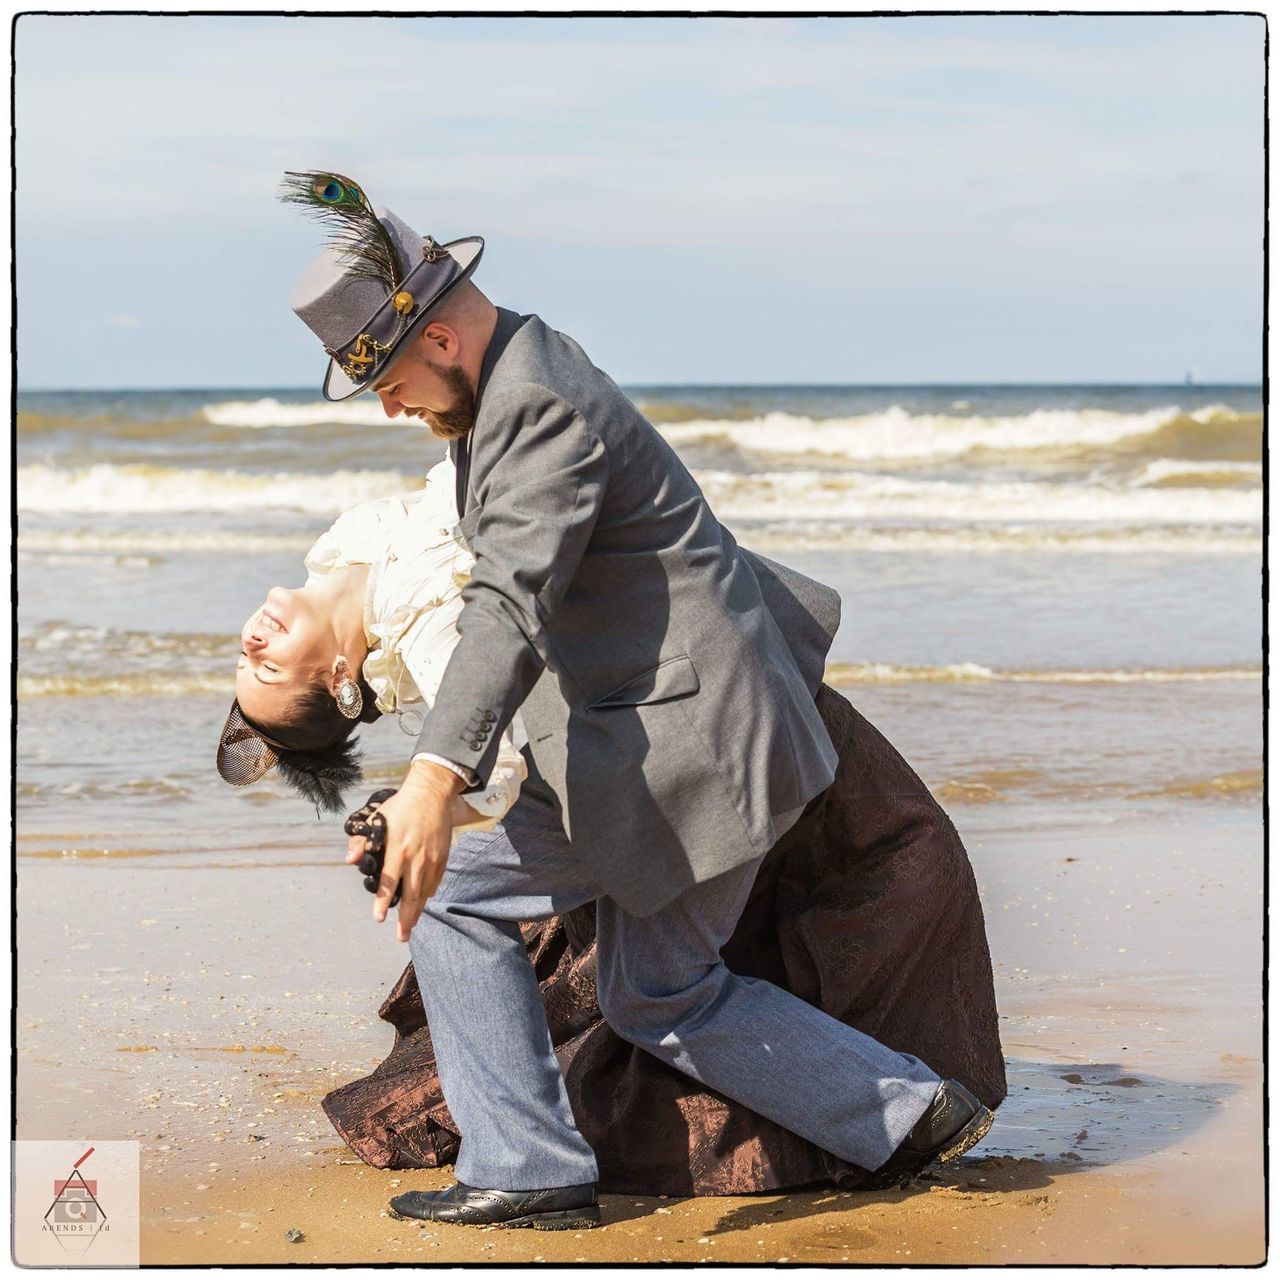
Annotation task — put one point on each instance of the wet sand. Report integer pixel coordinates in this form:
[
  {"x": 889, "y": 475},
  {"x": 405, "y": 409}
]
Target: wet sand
[
  {"x": 990, "y": 1211},
  {"x": 203, "y": 1005}
]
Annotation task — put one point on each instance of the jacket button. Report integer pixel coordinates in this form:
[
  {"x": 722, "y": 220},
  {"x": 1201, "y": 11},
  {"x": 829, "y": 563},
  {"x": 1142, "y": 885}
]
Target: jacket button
[
  {"x": 490, "y": 717},
  {"x": 476, "y": 744}
]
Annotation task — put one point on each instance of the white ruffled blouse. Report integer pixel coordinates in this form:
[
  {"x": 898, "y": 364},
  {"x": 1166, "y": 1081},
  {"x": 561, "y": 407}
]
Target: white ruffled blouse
[{"x": 418, "y": 564}]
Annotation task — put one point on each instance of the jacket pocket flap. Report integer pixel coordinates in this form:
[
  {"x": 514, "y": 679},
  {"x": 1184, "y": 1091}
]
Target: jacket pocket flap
[{"x": 673, "y": 678}]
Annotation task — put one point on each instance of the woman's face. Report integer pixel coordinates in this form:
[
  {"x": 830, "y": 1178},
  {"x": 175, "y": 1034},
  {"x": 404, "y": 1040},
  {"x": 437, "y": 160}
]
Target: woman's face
[{"x": 286, "y": 645}]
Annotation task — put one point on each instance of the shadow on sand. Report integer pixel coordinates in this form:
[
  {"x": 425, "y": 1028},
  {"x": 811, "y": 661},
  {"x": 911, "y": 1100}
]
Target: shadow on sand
[{"x": 1059, "y": 1118}]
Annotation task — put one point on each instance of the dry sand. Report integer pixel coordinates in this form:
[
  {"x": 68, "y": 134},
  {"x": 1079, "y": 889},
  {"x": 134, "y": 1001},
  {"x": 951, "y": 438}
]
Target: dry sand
[{"x": 203, "y": 1008}]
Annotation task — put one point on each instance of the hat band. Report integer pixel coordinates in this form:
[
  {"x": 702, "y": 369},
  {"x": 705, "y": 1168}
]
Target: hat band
[{"x": 360, "y": 357}]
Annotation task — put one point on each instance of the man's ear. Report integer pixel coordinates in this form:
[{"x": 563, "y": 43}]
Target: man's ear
[{"x": 440, "y": 339}]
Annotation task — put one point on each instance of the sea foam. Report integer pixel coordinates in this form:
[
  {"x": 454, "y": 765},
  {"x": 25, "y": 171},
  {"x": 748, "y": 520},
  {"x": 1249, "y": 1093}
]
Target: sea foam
[
  {"x": 842, "y": 495},
  {"x": 105, "y": 489},
  {"x": 850, "y": 673},
  {"x": 896, "y": 434},
  {"x": 1186, "y": 473},
  {"x": 890, "y": 434},
  {"x": 259, "y": 414},
  {"x": 854, "y": 496}
]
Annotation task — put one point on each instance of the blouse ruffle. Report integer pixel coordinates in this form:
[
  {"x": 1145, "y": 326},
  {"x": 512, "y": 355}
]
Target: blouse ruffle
[{"x": 419, "y": 564}]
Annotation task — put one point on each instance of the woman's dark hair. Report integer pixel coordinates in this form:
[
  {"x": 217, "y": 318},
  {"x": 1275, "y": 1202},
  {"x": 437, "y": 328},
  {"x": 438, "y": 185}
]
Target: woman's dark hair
[{"x": 322, "y": 758}]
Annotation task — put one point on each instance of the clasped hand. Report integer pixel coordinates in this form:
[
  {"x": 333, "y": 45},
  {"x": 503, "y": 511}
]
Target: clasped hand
[{"x": 412, "y": 827}]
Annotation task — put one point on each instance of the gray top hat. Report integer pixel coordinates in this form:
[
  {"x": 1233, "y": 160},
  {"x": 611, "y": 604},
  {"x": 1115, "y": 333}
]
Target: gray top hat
[{"x": 375, "y": 282}]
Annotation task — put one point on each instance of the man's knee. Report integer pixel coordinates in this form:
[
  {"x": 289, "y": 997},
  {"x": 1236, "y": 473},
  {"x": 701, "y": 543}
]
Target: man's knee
[{"x": 646, "y": 1016}]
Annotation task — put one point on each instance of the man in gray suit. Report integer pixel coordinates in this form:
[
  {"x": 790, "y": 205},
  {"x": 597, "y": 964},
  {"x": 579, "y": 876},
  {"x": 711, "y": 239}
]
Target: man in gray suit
[{"x": 666, "y": 680}]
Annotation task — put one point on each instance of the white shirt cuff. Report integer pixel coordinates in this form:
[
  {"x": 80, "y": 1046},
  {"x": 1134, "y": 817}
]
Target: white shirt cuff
[{"x": 465, "y": 774}]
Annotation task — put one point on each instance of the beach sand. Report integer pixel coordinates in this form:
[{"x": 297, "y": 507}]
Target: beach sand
[{"x": 202, "y": 1006}]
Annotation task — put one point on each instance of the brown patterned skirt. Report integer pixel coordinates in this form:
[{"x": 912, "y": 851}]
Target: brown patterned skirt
[{"x": 866, "y": 908}]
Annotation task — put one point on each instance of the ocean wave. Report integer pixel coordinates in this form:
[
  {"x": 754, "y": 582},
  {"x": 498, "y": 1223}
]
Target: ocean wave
[
  {"x": 68, "y": 641},
  {"x": 146, "y": 788},
  {"x": 885, "y": 435},
  {"x": 1213, "y": 432},
  {"x": 853, "y": 495},
  {"x": 1185, "y": 473},
  {"x": 851, "y": 673},
  {"x": 896, "y": 434},
  {"x": 130, "y": 545},
  {"x": 107, "y": 489},
  {"x": 838, "y": 673},
  {"x": 58, "y": 660},
  {"x": 793, "y": 536},
  {"x": 845, "y": 495},
  {"x": 119, "y": 562},
  {"x": 133, "y": 684},
  {"x": 70, "y": 544},
  {"x": 892, "y": 433},
  {"x": 989, "y": 786},
  {"x": 256, "y": 415},
  {"x": 1237, "y": 782},
  {"x": 31, "y": 423}
]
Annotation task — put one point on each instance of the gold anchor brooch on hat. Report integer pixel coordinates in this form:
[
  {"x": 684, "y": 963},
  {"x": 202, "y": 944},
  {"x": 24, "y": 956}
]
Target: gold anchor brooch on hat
[{"x": 361, "y": 357}]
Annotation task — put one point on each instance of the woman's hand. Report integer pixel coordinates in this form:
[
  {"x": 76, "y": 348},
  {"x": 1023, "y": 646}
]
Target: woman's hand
[{"x": 367, "y": 829}]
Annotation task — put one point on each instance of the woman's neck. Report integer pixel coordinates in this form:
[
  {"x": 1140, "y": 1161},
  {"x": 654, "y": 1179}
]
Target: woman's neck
[{"x": 343, "y": 592}]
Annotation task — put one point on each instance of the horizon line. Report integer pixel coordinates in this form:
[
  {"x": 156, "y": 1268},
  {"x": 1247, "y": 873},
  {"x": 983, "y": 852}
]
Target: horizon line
[{"x": 693, "y": 386}]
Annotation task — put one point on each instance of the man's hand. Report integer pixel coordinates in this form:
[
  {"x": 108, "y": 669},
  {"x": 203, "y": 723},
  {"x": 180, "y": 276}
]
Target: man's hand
[{"x": 419, "y": 827}]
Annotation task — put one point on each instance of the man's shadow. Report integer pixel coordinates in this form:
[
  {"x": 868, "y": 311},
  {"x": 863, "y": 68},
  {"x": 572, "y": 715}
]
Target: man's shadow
[{"x": 1058, "y": 1119}]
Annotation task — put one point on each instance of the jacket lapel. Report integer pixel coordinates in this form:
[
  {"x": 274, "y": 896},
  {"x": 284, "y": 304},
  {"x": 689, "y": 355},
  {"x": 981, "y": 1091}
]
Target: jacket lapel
[{"x": 460, "y": 450}]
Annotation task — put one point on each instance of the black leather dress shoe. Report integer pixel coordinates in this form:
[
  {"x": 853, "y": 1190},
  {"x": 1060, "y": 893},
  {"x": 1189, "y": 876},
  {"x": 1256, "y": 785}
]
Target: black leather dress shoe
[
  {"x": 954, "y": 1122},
  {"x": 552, "y": 1209}
]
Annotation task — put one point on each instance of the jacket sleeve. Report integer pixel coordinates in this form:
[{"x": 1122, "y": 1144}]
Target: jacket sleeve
[
  {"x": 540, "y": 477},
  {"x": 494, "y": 802}
]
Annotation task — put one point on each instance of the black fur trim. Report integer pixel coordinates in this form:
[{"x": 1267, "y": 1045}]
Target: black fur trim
[{"x": 322, "y": 776}]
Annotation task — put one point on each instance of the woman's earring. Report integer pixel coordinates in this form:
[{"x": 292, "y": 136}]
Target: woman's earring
[{"x": 349, "y": 698}]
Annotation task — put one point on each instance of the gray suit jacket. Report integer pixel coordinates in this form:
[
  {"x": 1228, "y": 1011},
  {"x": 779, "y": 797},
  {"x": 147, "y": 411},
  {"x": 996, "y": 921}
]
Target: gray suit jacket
[{"x": 666, "y": 677}]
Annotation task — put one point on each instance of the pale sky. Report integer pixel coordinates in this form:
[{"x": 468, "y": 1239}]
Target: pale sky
[{"x": 909, "y": 199}]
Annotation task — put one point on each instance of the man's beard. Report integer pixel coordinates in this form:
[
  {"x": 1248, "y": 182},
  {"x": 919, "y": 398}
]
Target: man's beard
[{"x": 457, "y": 420}]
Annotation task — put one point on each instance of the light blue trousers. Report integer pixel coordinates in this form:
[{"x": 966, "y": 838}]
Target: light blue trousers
[{"x": 661, "y": 985}]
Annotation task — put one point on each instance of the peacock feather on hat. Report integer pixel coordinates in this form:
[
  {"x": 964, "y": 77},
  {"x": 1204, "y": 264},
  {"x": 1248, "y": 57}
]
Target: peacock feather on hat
[{"x": 355, "y": 230}]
